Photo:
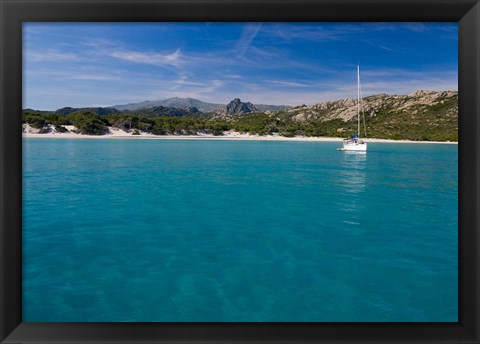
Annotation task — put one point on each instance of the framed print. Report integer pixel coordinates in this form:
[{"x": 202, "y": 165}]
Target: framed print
[{"x": 219, "y": 171}]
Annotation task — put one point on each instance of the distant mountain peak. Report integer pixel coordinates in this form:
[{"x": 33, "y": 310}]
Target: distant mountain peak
[
  {"x": 236, "y": 106},
  {"x": 174, "y": 102}
]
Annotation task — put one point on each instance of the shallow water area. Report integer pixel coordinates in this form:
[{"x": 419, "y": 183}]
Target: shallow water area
[{"x": 207, "y": 230}]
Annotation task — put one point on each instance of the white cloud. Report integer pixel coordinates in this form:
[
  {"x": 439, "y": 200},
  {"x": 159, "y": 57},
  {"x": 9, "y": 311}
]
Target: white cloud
[
  {"x": 184, "y": 81},
  {"x": 158, "y": 59},
  {"x": 50, "y": 56},
  {"x": 69, "y": 74},
  {"x": 99, "y": 43},
  {"x": 93, "y": 77},
  {"x": 249, "y": 33},
  {"x": 233, "y": 76},
  {"x": 288, "y": 83}
]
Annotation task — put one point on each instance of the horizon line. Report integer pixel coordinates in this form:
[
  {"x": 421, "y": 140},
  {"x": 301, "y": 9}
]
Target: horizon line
[{"x": 219, "y": 103}]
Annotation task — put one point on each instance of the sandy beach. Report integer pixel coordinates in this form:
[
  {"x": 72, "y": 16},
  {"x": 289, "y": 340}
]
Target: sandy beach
[{"x": 114, "y": 133}]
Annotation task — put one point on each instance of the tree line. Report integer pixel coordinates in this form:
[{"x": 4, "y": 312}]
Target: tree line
[
  {"x": 385, "y": 124},
  {"x": 92, "y": 124}
]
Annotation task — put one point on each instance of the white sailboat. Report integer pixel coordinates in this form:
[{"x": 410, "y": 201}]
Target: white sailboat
[{"x": 355, "y": 142}]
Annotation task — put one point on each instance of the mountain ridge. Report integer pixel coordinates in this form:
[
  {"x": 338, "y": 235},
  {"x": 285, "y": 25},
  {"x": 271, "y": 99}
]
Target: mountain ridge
[
  {"x": 202, "y": 106},
  {"x": 346, "y": 109}
]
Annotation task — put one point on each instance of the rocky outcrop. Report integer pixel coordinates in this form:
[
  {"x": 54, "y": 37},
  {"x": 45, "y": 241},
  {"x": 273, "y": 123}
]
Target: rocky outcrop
[
  {"x": 346, "y": 109},
  {"x": 191, "y": 109},
  {"x": 236, "y": 107}
]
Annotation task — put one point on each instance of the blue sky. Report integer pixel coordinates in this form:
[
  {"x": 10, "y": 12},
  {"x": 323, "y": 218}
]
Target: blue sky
[{"x": 102, "y": 64}]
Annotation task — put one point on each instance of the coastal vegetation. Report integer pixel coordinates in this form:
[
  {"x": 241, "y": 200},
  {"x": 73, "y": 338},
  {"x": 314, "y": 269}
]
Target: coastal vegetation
[{"x": 423, "y": 115}]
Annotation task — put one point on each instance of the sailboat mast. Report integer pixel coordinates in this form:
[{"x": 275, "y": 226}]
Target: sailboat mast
[{"x": 358, "y": 98}]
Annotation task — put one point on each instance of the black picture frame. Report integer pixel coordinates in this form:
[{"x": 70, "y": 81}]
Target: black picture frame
[{"x": 14, "y": 12}]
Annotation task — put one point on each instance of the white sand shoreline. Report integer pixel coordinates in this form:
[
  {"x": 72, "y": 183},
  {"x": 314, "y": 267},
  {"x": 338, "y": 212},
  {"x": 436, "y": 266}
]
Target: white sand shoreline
[
  {"x": 227, "y": 137},
  {"x": 115, "y": 133}
]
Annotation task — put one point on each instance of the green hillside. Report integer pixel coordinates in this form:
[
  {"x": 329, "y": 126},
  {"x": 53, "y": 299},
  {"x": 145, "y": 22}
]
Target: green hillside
[{"x": 422, "y": 115}]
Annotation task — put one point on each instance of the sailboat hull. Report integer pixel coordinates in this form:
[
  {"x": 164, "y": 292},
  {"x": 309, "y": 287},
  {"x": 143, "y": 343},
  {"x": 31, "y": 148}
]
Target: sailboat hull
[{"x": 358, "y": 147}]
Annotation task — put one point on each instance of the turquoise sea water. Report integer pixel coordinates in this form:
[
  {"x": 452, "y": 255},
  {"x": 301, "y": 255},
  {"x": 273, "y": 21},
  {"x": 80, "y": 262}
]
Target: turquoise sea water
[{"x": 192, "y": 230}]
